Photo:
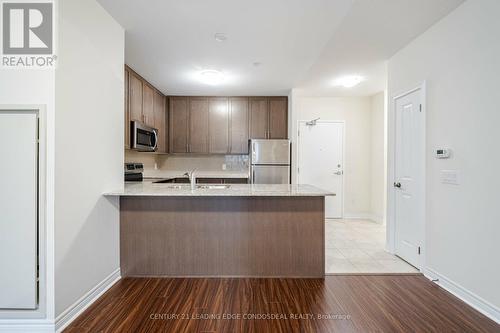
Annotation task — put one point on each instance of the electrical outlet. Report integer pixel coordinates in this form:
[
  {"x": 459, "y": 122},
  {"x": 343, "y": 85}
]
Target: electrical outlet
[
  {"x": 450, "y": 177},
  {"x": 224, "y": 166}
]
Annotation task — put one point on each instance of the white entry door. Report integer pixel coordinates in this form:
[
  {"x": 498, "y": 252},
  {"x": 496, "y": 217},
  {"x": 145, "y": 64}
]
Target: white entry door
[
  {"x": 409, "y": 182},
  {"x": 321, "y": 161}
]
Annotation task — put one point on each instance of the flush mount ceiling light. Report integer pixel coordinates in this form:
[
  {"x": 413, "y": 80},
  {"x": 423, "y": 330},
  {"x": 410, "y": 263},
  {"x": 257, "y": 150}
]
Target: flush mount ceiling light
[
  {"x": 211, "y": 77},
  {"x": 220, "y": 37},
  {"x": 349, "y": 81}
]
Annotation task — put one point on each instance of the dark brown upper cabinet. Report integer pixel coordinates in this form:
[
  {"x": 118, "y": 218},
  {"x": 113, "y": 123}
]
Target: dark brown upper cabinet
[
  {"x": 218, "y": 125},
  {"x": 203, "y": 125},
  {"x": 268, "y": 118},
  {"x": 148, "y": 113},
  {"x": 258, "y": 118},
  {"x": 146, "y": 104},
  {"x": 278, "y": 118},
  {"x": 178, "y": 124},
  {"x": 198, "y": 125},
  {"x": 160, "y": 121},
  {"x": 135, "y": 97},
  {"x": 238, "y": 125}
]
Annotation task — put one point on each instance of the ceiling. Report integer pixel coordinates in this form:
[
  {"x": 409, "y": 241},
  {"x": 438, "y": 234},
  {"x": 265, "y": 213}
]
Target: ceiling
[
  {"x": 368, "y": 36},
  {"x": 297, "y": 43}
]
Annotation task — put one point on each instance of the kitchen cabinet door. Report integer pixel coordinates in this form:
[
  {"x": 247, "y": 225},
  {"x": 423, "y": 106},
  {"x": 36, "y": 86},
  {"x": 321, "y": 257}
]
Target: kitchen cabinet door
[
  {"x": 127, "y": 110},
  {"x": 209, "y": 181},
  {"x": 258, "y": 118},
  {"x": 235, "y": 180},
  {"x": 160, "y": 121},
  {"x": 178, "y": 124},
  {"x": 198, "y": 125},
  {"x": 148, "y": 104},
  {"x": 238, "y": 128},
  {"x": 218, "y": 125},
  {"x": 278, "y": 120},
  {"x": 135, "y": 97}
]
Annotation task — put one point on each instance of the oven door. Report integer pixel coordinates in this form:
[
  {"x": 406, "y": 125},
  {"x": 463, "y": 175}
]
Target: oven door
[{"x": 144, "y": 138}]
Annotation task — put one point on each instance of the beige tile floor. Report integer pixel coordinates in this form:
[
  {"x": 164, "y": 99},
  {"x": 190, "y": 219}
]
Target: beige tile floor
[{"x": 358, "y": 246}]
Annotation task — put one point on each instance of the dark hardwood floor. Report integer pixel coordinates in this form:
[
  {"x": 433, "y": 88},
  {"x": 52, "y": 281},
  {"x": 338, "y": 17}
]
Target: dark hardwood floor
[{"x": 344, "y": 303}]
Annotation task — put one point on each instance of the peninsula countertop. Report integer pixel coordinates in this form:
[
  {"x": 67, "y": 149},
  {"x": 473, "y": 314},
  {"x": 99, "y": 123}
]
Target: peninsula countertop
[{"x": 148, "y": 188}]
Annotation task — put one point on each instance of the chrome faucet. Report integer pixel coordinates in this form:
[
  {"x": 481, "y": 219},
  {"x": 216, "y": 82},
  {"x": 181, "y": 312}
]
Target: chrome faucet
[{"x": 192, "y": 178}]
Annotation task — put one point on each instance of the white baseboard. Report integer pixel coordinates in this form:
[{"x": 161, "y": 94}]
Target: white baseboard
[
  {"x": 26, "y": 326},
  {"x": 364, "y": 216},
  {"x": 73, "y": 311},
  {"x": 465, "y": 295}
]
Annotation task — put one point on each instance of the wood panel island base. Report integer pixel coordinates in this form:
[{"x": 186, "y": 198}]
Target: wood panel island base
[{"x": 236, "y": 232}]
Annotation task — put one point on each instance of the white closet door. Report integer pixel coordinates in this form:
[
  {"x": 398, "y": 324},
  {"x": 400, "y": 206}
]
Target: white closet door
[
  {"x": 18, "y": 210},
  {"x": 409, "y": 178}
]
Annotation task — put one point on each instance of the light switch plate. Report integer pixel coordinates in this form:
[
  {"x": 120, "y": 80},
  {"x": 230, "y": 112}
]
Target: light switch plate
[{"x": 450, "y": 177}]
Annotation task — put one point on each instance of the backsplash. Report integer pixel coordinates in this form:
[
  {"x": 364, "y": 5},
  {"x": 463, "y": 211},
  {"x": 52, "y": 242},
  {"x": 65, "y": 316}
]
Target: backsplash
[
  {"x": 183, "y": 162},
  {"x": 148, "y": 159}
]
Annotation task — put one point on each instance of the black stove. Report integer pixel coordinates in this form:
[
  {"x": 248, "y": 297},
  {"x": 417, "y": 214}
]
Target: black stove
[{"x": 133, "y": 172}]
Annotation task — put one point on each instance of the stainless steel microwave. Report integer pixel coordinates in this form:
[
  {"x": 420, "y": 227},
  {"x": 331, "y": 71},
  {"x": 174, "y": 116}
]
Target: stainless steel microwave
[{"x": 144, "y": 138}]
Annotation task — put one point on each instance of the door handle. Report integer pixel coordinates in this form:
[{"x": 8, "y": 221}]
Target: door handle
[
  {"x": 397, "y": 185},
  {"x": 338, "y": 173}
]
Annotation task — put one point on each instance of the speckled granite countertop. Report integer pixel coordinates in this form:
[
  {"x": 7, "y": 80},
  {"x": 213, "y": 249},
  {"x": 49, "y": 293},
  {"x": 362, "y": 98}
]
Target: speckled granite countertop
[{"x": 148, "y": 188}]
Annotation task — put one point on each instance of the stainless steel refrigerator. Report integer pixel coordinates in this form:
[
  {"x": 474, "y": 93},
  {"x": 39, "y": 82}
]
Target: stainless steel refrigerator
[{"x": 269, "y": 161}]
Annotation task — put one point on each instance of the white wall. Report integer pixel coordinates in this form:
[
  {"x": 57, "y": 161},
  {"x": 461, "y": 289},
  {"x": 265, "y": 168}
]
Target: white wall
[
  {"x": 356, "y": 112},
  {"x": 377, "y": 166},
  {"x": 89, "y": 148},
  {"x": 459, "y": 57}
]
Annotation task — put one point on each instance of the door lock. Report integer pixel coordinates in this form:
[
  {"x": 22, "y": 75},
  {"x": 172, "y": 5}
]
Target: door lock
[{"x": 398, "y": 185}]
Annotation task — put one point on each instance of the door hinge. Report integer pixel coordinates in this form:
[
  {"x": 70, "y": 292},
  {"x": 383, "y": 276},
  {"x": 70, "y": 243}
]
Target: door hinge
[
  {"x": 298, "y": 170},
  {"x": 298, "y": 133},
  {"x": 420, "y": 107},
  {"x": 419, "y": 250}
]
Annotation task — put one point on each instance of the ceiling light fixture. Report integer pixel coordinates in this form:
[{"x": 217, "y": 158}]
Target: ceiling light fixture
[
  {"x": 211, "y": 77},
  {"x": 220, "y": 37},
  {"x": 349, "y": 81}
]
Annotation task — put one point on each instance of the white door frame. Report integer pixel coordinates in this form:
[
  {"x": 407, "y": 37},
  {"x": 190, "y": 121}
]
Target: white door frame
[
  {"x": 45, "y": 245},
  {"x": 342, "y": 122},
  {"x": 391, "y": 166}
]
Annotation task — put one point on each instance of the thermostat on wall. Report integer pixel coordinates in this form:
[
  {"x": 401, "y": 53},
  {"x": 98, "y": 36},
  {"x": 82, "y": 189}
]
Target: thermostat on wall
[{"x": 443, "y": 153}]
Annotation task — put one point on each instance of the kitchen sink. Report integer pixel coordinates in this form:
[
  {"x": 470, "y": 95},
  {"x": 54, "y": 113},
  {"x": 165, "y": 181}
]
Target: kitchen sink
[
  {"x": 199, "y": 187},
  {"x": 178, "y": 187},
  {"x": 163, "y": 181},
  {"x": 212, "y": 187},
  {"x": 172, "y": 181}
]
